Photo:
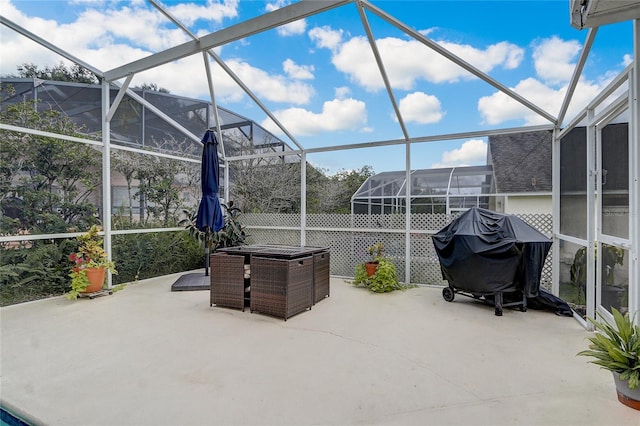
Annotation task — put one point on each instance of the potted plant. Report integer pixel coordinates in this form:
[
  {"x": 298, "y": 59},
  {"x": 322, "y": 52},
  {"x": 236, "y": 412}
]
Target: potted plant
[
  {"x": 376, "y": 251},
  {"x": 384, "y": 277},
  {"x": 617, "y": 349},
  {"x": 89, "y": 264}
]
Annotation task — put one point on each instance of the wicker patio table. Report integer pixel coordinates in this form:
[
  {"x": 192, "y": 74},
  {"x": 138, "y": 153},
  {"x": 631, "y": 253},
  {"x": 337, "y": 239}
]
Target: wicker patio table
[{"x": 275, "y": 280}]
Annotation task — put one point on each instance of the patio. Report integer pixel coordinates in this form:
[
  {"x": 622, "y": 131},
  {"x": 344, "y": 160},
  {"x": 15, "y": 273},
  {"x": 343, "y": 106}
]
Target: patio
[{"x": 149, "y": 356}]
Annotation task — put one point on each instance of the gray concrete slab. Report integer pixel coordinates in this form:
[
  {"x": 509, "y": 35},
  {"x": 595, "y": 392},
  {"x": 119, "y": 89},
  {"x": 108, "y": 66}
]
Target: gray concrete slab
[{"x": 149, "y": 356}]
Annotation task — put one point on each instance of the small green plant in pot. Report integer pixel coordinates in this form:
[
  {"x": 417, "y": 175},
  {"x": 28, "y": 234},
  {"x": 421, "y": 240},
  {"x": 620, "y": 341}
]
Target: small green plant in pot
[
  {"x": 89, "y": 264},
  {"x": 385, "y": 277},
  {"x": 617, "y": 349}
]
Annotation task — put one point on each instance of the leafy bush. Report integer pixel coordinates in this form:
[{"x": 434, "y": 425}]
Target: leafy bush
[
  {"x": 154, "y": 254},
  {"x": 384, "y": 280},
  {"x": 34, "y": 270},
  {"x": 40, "y": 268}
]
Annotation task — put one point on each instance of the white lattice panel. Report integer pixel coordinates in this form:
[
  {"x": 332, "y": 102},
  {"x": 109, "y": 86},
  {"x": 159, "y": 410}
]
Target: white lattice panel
[
  {"x": 429, "y": 221},
  {"x": 329, "y": 221},
  {"x": 270, "y": 219},
  {"x": 350, "y": 248},
  {"x": 273, "y": 236},
  {"x": 381, "y": 221}
]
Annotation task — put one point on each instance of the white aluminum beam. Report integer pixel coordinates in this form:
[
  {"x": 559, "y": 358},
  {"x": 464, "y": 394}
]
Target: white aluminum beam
[
  {"x": 12, "y": 128},
  {"x": 634, "y": 164},
  {"x": 106, "y": 177},
  {"x": 239, "y": 31},
  {"x": 577, "y": 72},
  {"x": 119, "y": 96},
  {"x": 383, "y": 72},
  {"x": 459, "y": 61},
  {"x": 231, "y": 74},
  {"x": 161, "y": 114}
]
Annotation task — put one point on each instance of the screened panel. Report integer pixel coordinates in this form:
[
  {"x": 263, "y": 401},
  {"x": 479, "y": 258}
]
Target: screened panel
[
  {"x": 78, "y": 101},
  {"x": 615, "y": 180},
  {"x": 573, "y": 183},
  {"x": 573, "y": 275},
  {"x": 152, "y": 192},
  {"x": 615, "y": 278}
]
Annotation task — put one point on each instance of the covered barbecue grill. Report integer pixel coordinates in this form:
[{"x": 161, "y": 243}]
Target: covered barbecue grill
[{"x": 484, "y": 254}]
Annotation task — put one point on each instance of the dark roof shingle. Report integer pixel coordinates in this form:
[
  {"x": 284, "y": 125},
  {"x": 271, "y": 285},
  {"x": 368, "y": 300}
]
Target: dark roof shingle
[{"x": 521, "y": 161}]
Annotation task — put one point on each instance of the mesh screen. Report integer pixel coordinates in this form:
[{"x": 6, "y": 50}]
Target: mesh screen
[{"x": 349, "y": 236}]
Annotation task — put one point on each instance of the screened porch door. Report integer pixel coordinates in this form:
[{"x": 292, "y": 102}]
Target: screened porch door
[{"x": 612, "y": 212}]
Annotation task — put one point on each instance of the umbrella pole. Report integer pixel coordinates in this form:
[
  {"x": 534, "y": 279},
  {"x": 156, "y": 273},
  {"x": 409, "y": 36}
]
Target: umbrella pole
[{"x": 206, "y": 255}]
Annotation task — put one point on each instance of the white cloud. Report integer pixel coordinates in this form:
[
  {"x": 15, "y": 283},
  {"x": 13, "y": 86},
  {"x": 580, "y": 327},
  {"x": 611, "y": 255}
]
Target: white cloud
[
  {"x": 109, "y": 37},
  {"x": 294, "y": 28},
  {"x": 300, "y": 72},
  {"x": 407, "y": 61},
  {"x": 626, "y": 60},
  {"x": 114, "y": 37},
  {"x": 272, "y": 87},
  {"x": 553, "y": 59},
  {"x": 498, "y": 108},
  {"x": 326, "y": 37},
  {"x": 275, "y": 5},
  {"x": 189, "y": 13},
  {"x": 336, "y": 115},
  {"x": 471, "y": 152},
  {"x": 342, "y": 92},
  {"x": 418, "y": 107}
]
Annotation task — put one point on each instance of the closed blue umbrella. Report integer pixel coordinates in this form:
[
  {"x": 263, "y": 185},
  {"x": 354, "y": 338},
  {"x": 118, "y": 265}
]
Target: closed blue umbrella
[{"x": 210, "y": 217}]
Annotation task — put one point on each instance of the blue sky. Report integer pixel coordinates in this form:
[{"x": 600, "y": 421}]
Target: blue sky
[{"x": 319, "y": 77}]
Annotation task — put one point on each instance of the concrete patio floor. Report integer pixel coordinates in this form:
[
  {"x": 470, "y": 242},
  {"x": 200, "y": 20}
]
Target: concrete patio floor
[{"x": 149, "y": 356}]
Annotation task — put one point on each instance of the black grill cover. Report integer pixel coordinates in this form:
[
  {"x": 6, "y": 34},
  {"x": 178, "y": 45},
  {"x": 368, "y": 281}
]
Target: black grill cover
[{"x": 483, "y": 251}]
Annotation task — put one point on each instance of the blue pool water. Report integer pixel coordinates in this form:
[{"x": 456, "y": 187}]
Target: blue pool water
[{"x": 8, "y": 419}]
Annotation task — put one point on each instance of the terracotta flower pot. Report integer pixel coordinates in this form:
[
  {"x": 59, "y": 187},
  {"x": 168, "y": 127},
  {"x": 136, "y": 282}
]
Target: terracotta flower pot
[
  {"x": 371, "y": 268},
  {"x": 96, "y": 279},
  {"x": 629, "y": 397}
]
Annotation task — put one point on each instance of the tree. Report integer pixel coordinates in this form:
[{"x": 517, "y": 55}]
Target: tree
[
  {"x": 60, "y": 72},
  {"x": 152, "y": 87},
  {"x": 127, "y": 164},
  {"x": 161, "y": 187},
  {"x": 341, "y": 187},
  {"x": 54, "y": 178}
]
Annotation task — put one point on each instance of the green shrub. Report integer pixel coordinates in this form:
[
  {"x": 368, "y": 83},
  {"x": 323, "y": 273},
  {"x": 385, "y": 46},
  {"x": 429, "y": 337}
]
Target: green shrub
[
  {"x": 154, "y": 254},
  {"x": 384, "y": 280}
]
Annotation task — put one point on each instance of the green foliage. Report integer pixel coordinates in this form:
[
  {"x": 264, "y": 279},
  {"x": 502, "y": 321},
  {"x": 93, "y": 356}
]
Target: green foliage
[
  {"x": 376, "y": 251},
  {"x": 158, "y": 184},
  {"x": 342, "y": 186},
  {"x": 90, "y": 254},
  {"x": 272, "y": 185},
  {"x": 74, "y": 73},
  {"x": 612, "y": 256},
  {"x": 617, "y": 349},
  {"x": 148, "y": 255},
  {"x": 34, "y": 270},
  {"x": 384, "y": 280},
  {"x": 51, "y": 185},
  {"x": 52, "y": 178},
  {"x": 231, "y": 235}
]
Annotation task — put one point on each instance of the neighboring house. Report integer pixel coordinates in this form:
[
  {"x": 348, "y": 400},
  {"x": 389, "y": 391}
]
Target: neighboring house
[{"x": 522, "y": 178}]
